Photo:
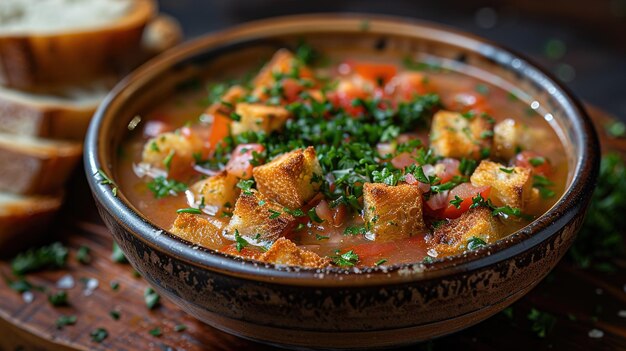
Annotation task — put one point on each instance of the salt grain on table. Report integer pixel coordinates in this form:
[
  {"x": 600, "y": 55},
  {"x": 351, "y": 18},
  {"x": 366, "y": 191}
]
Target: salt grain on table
[
  {"x": 596, "y": 333},
  {"x": 622, "y": 313},
  {"x": 28, "y": 297},
  {"x": 90, "y": 286},
  {"x": 66, "y": 282}
]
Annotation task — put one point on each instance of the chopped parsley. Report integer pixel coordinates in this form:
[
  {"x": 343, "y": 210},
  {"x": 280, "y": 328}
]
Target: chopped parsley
[
  {"x": 118, "y": 255},
  {"x": 542, "y": 184},
  {"x": 379, "y": 262},
  {"x": 542, "y": 322},
  {"x": 51, "y": 256},
  {"x": 155, "y": 332},
  {"x": 313, "y": 216},
  {"x": 273, "y": 213},
  {"x": 83, "y": 255},
  {"x": 105, "y": 180},
  {"x": 456, "y": 202},
  {"x": 98, "y": 335},
  {"x": 167, "y": 161},
  {"x": 191, "y": 210},
  {"x": 246, "y": 186},
  {"x": 537, "y": 161},
  {"x": 354, "y": 230},
  {"x": 115, "y": 285},
  {"x": 240, "y": 242},
  {"x": 58, "y": 299},
  {"x": 475, "y": 243},
  {"x": 507, "y": 170},
  {"x": 296, "y": 213},
  {"x": 115, "y": 314},
  {"x": 151, "y": 298},
  {"x": 63, "y": 321},
  {"x": 180, "y": 328},
  {"x": 162, "y": 187},
  {"x": 347, "y": 259}
]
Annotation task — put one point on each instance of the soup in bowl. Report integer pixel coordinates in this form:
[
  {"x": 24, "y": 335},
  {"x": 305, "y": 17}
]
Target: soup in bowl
[{"x": 393, "y": 180}]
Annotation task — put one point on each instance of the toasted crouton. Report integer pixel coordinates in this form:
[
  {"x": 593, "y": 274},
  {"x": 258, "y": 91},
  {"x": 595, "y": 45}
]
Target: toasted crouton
[
  {"x": 171, "y": 148},
  {"x": 511, "y": 137},
  {"x": 225, "y": 105},
  {"x": 289, "y": 179},
  {"x": 456, "y": 135},
  {"x": 285, "y": 252},
  {"x": 258, "y": 220},
  {"x": 199, "y": 230},
  {"x": 392, "y": 212},
  {"x": 509, "y": 186},
  {"x": 219, "y": 192},
  {"x": 452, "y": 237},
  {"x": 259, "y": 118},
  {"x": 283, "y": 62}
]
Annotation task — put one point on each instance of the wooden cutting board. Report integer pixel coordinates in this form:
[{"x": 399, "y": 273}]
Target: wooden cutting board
[{"x": 584, "y": 302}]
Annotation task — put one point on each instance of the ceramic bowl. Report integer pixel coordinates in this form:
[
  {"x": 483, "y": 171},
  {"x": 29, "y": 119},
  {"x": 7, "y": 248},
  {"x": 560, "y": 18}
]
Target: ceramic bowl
[{"x": 334, "y": 308}]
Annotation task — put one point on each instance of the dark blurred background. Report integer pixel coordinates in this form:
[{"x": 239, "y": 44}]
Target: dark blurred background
[{"x": 582, "y": 42}]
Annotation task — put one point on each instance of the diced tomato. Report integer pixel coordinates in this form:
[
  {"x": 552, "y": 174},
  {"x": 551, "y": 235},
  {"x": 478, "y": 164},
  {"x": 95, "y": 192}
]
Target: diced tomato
[
  {"x": 465, "y": 191},
  {"x": 370, "y": 253},
  {"x": 219, "y": 129},
  {"x": 447, "y": 169},
  {"x": 403, "y": 160},
  {"x": 345, "y": 94},
  {"x": 333, "y": 216},
  {"x": 156, "y": 127},
  {"x": 239, "y": 163},
  {"x": 377, "y": 73},
  {"x": 468, "y": 101},
  {"x": 245, "y": 252},
  {"x": 406, "y": 86},
  {"x": 527, "y": 158},
  {"x": 291, "y": 89}
]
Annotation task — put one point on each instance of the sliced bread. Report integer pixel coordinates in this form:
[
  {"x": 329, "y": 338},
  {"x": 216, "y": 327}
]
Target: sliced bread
[
  {"x": 64, "y": 112},
  {"x": 35, "y": 166},
  {"x": 23, "y": 215},
  {"x": 51, "y": 42}
]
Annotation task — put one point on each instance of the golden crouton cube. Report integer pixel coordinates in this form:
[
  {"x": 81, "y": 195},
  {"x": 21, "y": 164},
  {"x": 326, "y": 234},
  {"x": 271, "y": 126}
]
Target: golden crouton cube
[
  {"x": 290, "y": 179},
  {"x": 511, "y": 137},
  {"x": 452, "y": 237},
  {"x": 509, "y": 186},
  {"x": 459, "y": 135},
  {"x": 199, "y": 230},
  {"x": 259, "y": 118},
  {"x": 225, "y": 105},
  {"x": 392, "y": 212},
  {"x": 218, "y": 193},
  {"x": 285, "y": 252},
  {"x": 258, "y": 220},
  {"x": 171, "y": 150},
  {"x": 282, "y": 62}
]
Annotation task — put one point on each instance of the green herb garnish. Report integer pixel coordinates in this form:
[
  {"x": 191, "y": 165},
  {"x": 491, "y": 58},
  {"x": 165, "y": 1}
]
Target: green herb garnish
[
  {"x": 151, "y": 298},
  {"x": 347, "y": 259},
  {"x": 63, "y": 321},
  {"x": 51, "y": 256},
  {"x": 162, "y": 187},
  {"x": 58, "y": 299},
  {"x": 83, "y": 255}
]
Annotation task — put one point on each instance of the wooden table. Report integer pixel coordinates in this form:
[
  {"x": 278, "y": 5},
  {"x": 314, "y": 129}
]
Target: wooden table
[{"x": 582, "y": 301}]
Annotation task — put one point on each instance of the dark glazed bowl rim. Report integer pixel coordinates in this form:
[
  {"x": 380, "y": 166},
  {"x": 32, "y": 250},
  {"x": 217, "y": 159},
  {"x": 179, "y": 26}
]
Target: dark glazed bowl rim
[{"x": 572, "y": 202}]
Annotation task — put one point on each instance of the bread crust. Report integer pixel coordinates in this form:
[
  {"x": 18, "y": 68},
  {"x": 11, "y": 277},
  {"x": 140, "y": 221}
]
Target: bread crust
[
  {"x": 35, "y": 59},
  {"x": 26, "y": 215},
  {"x": 31, "y": 166}
]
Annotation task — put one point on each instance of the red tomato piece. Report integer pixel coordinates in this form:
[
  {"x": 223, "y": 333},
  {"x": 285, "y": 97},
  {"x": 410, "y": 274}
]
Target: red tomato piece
[
  {"x": 239, "y": 163},
  {"x": 403, "y": 160},
  {"x": 465, "y": 191},
  {"x": 468, "y": 102},
  {"x": 447, "y": 169},
  {"x": 529, "y": 159},
  {"x": 219, "y": 129},
  {"x": 407, "y": 85},
  {"x": 291, "y": 89},
  {"x": 377, "y": 73}
]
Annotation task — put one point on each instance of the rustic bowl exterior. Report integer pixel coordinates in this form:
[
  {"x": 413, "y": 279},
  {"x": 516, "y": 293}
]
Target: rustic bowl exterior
[{"x": 342, "y": 309}]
